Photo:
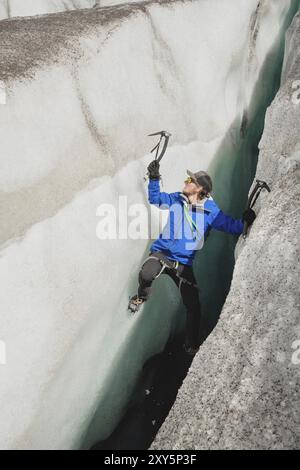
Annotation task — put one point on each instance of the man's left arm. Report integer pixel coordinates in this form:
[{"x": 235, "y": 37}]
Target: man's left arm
[{"x": 228, "y": 224}]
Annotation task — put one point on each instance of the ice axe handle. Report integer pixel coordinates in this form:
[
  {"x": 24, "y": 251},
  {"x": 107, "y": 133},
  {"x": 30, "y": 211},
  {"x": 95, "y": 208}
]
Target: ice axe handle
[
  {"x": 251, "y": 201},
  {"x": 164, "y": 148},
  {"x": 245, "y": 230}
]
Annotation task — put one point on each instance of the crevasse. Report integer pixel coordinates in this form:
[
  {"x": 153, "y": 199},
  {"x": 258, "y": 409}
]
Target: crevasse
[{"x": 83, "y": 89}]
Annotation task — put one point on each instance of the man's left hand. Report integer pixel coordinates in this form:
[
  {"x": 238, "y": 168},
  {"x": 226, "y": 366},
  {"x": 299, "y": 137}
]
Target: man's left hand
[
  {"x": 153, "y": 170},
  {"x": 249, "y": 216}
]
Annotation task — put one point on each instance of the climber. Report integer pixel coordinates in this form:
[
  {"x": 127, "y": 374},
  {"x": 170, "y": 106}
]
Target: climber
[{"x": 172, "y": 254}]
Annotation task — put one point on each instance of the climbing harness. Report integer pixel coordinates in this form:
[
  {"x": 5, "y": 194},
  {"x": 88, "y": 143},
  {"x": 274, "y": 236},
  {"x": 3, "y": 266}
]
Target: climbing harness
[
  {"x": 259, "y": 186},
  {"x": 173, "y": 265},
  {"x": 165, "y": 263}
]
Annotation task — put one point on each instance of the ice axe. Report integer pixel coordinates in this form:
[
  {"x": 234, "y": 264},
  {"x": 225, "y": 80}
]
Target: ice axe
[
  {"x": 163, "y": 135},
  {"x": 253, "y": 198}
]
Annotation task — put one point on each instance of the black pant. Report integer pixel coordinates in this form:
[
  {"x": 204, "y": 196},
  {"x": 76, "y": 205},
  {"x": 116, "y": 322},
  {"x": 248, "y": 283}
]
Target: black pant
[{"x": 189, "y": 292}]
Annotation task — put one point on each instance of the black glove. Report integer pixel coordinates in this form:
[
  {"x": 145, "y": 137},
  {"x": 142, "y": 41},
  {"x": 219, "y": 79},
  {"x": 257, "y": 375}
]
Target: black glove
[
  {"x": 249, "y": 216},
  {"x": 153, "y": 170}
]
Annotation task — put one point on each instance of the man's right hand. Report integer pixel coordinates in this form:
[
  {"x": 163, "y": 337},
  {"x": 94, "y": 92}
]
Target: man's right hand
[{"x": 153, "y": 170}]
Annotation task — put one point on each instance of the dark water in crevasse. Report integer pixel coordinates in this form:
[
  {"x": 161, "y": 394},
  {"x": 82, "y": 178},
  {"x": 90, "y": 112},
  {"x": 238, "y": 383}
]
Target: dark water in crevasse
[
  {"x": 154, "y": 394},
  {"x": 233, "y": 171}
]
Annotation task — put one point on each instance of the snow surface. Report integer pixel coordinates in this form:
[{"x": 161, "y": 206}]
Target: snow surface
[
  {"x": 84, "y": 88},
  {"x": 12, "y": 8}
]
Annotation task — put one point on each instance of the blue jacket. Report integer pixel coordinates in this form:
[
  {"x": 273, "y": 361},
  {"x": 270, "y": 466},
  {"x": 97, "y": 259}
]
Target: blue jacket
[{"x": 187, "y": 225}]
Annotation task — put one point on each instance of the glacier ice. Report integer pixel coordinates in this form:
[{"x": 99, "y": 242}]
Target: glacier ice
[{"x": 73, "y": 135}]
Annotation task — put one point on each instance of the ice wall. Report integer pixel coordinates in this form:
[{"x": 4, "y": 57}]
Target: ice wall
[
  {"x": 242, "y": 391},
  {"x": 11, "y": 8},
  {"x": 82, "y": 90}
]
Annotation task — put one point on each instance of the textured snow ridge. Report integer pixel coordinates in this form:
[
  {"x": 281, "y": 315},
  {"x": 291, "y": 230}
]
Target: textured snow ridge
[
  {"x": 12, "y": 8},
  {"x": 79, "y": 92},
  {"x": 242, "y": 391}
]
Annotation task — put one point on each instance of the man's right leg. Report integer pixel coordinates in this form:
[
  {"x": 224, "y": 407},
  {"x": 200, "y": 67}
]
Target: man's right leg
[
  {"x": 190, "y": 296},
  {"x": 149, "y": 271}
]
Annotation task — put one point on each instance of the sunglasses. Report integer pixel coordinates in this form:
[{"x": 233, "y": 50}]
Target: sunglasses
[{"x": 188, "y": 180}]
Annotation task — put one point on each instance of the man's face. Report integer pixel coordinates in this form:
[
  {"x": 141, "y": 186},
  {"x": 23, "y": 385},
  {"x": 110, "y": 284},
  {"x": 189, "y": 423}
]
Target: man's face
[{"x": 190, "y": 188}]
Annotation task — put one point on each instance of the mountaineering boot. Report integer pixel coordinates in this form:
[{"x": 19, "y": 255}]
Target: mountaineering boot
[
  {"x": 135, "y": 304},
  {"x": 190, "y": 350}
]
